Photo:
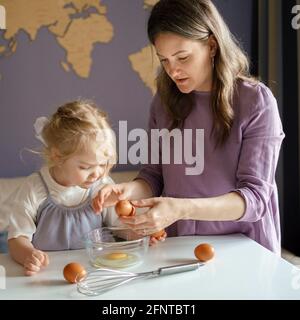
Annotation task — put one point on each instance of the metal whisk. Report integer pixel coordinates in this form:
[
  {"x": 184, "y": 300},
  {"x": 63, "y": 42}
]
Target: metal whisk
[{"x": 101, "y": 280}]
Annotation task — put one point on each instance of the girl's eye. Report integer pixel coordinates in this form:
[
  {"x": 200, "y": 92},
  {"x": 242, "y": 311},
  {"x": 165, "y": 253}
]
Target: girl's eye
[{"x": 82, "y": 168}]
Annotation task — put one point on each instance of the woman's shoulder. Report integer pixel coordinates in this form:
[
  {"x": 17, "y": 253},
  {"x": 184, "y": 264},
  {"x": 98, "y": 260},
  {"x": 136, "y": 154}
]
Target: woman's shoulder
[{"x": 254, "y": 94}]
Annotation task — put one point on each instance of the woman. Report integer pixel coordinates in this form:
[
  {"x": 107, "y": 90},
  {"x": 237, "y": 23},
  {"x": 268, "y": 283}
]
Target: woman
[{"x": 204, "y": 83}]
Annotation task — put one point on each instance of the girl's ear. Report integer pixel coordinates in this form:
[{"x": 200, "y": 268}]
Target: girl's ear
[
  {"x": 55, "y": 156},
  {"x": 213, "y": 45}
]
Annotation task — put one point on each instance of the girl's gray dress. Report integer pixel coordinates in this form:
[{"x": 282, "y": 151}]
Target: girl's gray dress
[{"x": 61, "y": 228}]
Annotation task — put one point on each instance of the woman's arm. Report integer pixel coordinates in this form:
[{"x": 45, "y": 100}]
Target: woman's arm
[
  {"x": 140, "y": 189},
  {"x": 227, "y": 207},
  {"x": 165, "y": 211},
  {"x": 262, "y": 139}
]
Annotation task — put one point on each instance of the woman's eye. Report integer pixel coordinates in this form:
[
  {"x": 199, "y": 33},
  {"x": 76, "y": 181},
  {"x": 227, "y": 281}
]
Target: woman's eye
[
  {"x": 82, "y": 168},
  {"x": 182, "y": 58}
]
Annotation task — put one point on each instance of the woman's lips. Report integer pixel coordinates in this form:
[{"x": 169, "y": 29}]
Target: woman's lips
[{"x": 181, "y": 81}]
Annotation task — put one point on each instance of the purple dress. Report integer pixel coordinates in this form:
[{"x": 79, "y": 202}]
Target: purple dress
[{"x": 245, "y": 164}]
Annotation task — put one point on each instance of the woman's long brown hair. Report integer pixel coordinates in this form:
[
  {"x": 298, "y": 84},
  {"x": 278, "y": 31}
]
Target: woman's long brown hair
[{"x": 197, "y": 20}]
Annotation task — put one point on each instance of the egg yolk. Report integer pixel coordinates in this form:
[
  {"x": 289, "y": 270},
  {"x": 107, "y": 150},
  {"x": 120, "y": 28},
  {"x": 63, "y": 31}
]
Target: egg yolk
[{"x": 116, "y": 256}]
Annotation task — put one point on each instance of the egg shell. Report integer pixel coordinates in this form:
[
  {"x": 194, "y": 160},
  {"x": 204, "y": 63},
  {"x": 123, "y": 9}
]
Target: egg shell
[
  {"x": 124, "y": 208},
  {"x": 73, "y": 272},
  {"x": 204, "y": 252}
]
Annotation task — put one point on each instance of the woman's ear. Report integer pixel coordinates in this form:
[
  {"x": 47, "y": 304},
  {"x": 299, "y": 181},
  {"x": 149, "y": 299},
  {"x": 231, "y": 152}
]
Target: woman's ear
[{"x": 213, "y": 45}]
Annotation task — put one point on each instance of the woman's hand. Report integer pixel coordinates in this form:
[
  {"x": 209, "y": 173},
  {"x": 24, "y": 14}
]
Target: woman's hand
[
  {"x": 34, "y": 261},
  {"x": 155, "y": 240},
  {"x": 162, "y": 213}
]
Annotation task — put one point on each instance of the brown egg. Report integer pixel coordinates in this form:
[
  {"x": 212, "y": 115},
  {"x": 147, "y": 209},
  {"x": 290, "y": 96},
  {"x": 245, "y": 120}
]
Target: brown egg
[
  {"x": 74, "y": 272},
  {"x": 158, "y": 234},
  {"x": 204, "y": 252},
  {"x": 125, "y": 208}
]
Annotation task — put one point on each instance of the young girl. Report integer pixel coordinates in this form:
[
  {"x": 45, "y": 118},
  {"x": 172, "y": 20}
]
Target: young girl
[{"x": 52, "y": 210}]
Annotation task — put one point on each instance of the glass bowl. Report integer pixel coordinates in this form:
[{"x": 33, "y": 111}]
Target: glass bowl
[{"x": 115, "y": 247}]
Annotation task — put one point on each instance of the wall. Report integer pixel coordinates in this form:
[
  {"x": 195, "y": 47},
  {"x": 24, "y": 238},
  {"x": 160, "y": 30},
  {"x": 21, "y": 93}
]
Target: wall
[{"x": 33, "y": 82}]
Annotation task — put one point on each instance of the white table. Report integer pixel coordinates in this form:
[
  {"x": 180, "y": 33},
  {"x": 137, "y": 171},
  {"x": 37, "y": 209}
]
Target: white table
[{"x": 241, "y": 269}]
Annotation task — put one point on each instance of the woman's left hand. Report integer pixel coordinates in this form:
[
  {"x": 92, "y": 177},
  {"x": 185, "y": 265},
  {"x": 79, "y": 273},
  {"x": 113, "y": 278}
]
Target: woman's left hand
[
  {"x": 162, "y": 213},
  {"x": 154, "y": 240}
]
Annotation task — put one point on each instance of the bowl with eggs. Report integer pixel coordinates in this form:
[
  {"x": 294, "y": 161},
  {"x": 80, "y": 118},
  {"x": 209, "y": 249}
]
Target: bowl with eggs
[{"x": 115, "y": 247}]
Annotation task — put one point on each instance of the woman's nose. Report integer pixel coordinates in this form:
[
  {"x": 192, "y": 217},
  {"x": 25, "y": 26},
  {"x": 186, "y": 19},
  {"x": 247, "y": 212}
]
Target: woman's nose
[{"x": 173, "y": 70}]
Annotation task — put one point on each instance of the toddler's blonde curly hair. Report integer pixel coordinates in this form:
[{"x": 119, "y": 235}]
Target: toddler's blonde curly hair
[{"x": 75, "y": 126}]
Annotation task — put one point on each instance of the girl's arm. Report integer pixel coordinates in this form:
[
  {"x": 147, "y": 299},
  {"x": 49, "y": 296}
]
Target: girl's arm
[
  {"x": 20, "y": 248},
  {"x": 23, "y": 252}
]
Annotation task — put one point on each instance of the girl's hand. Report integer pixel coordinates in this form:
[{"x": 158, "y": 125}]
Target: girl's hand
[
  {"x": 35, "y": 260},
  {"x": 162, "y": 213},
  {"x": 110, "y": 194}
]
